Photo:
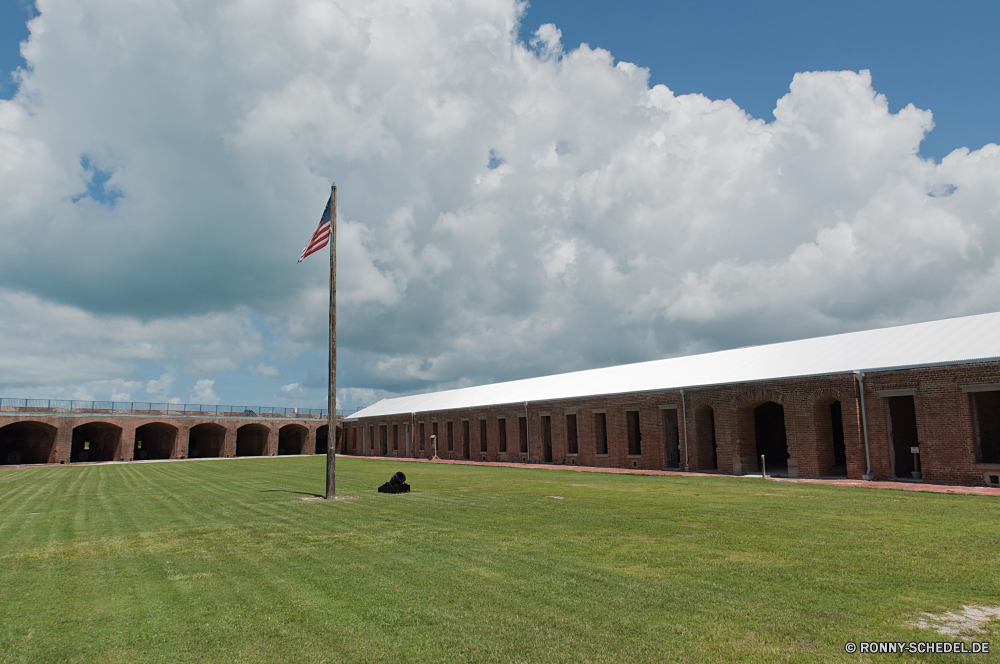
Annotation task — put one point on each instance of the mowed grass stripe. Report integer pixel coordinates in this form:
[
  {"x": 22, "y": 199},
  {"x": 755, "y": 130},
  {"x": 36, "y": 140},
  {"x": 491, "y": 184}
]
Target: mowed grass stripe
[{"x": 220, "y": 561}]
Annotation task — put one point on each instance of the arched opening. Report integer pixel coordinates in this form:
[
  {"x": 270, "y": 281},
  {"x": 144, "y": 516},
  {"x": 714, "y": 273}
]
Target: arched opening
[
  {"x": 828, "y": 422},
  {"x": 322, "y": 436},
  {"x": 206, "y": 440},
  {"x": 96, "y": 441},
  {"x": 769, "y": 433},
  {"x": 704, "y": 431},
  {"x": 251, "y": 440},
  {"x": 292, "y": 439},
  {"x": 154, "y": 441},
  {"x": 26, "y": 442}
]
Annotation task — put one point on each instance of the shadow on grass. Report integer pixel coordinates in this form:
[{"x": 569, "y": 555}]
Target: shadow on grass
[{"x": 298, "y": 493}]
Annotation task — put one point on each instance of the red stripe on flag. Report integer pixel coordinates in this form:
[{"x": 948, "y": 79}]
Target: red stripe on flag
[{"x": 319, "y": 239}]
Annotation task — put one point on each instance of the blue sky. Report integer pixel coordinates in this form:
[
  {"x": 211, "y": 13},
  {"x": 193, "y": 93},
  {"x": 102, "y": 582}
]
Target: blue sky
[{"x": 509, "y": 207}]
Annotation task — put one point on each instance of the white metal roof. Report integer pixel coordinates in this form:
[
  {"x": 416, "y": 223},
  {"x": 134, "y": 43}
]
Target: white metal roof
[{"x": 951, "y": 341}]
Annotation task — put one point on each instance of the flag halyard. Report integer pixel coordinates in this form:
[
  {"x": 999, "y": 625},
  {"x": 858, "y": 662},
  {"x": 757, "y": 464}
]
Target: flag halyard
[{"x": 321, "y": 237}]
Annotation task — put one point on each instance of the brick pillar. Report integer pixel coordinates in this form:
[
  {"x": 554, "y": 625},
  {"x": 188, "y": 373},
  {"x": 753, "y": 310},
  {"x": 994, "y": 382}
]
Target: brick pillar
[
  {"x": 271, "y": 449},
  {"x": 126, "y": 443},
  {"x": 63, "y": 442},
  {"x": 309, "y": 447},
  {"x": 229, "y": 446},
  {"x": 180, "y": 448}
]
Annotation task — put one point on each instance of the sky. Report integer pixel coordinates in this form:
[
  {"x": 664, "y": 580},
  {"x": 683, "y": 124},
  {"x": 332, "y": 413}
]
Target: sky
[{"x": 523, "y": 189}]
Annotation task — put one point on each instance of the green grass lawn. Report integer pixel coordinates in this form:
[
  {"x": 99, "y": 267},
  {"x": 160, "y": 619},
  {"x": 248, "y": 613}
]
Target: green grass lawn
[{"x": 220, "y": 561}]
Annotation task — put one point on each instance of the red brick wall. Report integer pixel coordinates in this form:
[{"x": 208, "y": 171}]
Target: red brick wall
[
  {"x": 65, "y": 423},
  {"x": 944, "y": 423}
]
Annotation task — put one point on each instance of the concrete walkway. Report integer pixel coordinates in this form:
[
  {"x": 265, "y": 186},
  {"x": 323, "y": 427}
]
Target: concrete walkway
[{"x": 902, "y": 486}]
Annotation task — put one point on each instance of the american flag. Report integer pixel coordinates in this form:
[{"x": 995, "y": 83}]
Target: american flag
[{"x": 321, "y": 237}]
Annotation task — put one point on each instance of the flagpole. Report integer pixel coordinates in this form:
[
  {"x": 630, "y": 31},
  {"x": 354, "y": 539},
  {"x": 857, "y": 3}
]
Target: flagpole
[{"x": 331, "y": 440}]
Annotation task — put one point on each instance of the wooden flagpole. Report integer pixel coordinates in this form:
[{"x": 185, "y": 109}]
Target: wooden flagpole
[{"x": 331, "y": 439}]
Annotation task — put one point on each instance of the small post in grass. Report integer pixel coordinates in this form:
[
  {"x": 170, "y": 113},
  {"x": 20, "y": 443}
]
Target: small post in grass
[{"x": 763, "y": 471}]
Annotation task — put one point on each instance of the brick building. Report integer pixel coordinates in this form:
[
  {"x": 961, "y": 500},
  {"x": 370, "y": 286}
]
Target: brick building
[
  {"x": 35, "y": 431},
  {"x": 917, "y": 402}
]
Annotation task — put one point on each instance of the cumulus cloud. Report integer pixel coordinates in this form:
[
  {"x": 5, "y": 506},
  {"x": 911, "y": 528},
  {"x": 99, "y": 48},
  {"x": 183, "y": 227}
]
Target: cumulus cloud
[
  {"x": 202, "y": 393},
  {"x": 160, "y": 386},
  {"x": 506, "y": 209}
]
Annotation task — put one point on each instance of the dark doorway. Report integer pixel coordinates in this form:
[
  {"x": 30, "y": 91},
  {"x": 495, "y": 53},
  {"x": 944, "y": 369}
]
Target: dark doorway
[
  {"x": 383, "y": 440},
  {"x": 769, "y": 430},
  {"x": 572, "y": 444},
  {"x": 502, "y": 437},
  {"x": 395, "y": 439},
  {"x": 634, "y": 433},
  {"x": 483, "y": 446},
  {"x": 704, "y": 425},
  {"x": 292, "y": 439},
  {"x": 206, "y": 440},
  {"x": 522, "y": 432},
  {"x": 547, "y": 438},
  {"x": 839, "y": 449},
  {"x": 26, "y": 442},
  {"x": 323, "y": 438},
  {"x": 465, "y": 439},
  {"x": 600, "y": 434},
  {"x": 154, "y": 441},
  {"x": 902, "y": 434},
  {"x": 671, "y": 441},
  {"x": 96, "y": 441},
  {"x": 251, "y": 440},
  {"x": 987, "y": 411}
]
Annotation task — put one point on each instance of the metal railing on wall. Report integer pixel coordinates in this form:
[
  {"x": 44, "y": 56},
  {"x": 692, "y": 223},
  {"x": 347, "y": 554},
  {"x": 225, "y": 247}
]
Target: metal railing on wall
[{"x": 69, "y": 406}]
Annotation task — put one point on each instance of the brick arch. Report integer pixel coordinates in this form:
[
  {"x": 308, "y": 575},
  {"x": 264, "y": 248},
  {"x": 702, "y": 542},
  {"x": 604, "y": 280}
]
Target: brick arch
[
  {"x": 252, "y": 440},
  {"x": 96, "y": 440},
  {"x": 323, "y": 439},
  {"x": 27, "y": 441},
  {"x": 753, "y": 397},
  {"x": 705, "y": 443},
  {"x": 207, "y": 439},
  {"x": 292, "y": 439},
  {"x": 154, "y": 440},
  {"x": 749, "y": 443},
  {"x": 826, "y": 396},
  {"x": 711, "y": 403},
  {"x": 827, "y": 431}
]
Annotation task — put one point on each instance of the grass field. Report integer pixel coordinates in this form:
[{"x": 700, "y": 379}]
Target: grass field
[{"x": 220, "y": 561}]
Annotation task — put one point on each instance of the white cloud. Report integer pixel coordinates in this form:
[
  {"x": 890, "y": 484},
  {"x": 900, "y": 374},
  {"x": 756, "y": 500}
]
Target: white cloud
[
  {"x": 265, "y": 370},
  {"x": 160, "y": 386},
  {"x": 619, "y": 222},
  {"x": 202, "y": 392},
  {"x": 291, "y": 387}
]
